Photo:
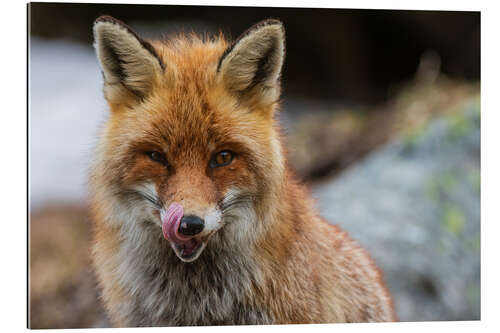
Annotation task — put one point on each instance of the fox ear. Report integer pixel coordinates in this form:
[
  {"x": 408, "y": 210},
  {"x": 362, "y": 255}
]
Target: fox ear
[
  {"x": 251, "y": 66},
  {"x": 129, "y": 63}
]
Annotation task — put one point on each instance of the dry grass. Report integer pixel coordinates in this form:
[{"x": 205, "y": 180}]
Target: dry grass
[{"x": 63, "y": 293}]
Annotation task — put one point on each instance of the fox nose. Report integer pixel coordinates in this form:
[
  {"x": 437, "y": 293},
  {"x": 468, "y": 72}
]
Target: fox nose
[{"x": 191, "y": 225}]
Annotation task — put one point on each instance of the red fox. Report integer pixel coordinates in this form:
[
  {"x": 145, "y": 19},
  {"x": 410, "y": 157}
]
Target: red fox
[{"x": 198, "y": 220}]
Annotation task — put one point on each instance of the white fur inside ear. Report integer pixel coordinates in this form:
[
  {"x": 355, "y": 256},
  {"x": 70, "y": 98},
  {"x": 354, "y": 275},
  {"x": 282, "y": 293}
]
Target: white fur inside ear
[
  {"x": 126, "y": 60},
  {"x": 255, "y": 60}
]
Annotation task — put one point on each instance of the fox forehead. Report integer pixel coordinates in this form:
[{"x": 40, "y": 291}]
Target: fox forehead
[
  {"x": 192, "y": 111},
  {"x": 189, "y": 57}
]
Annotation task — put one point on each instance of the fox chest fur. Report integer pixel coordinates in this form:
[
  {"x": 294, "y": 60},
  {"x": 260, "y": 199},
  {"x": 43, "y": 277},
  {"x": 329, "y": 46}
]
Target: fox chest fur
[
  {"x": 216, "y": 289},
  {"x": 197, "y": 218}
]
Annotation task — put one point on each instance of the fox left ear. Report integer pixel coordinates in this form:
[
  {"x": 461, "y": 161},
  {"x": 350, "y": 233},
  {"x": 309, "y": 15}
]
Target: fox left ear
[
  {"x": 251, "y": 66},
  {"x": 130, "y": 64}
]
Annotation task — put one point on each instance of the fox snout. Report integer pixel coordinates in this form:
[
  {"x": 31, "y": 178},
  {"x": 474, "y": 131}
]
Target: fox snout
[
  {"x": 178, "y": 227},
  {"x": 188, "y": 233},
  {"x": 186, "y": 222}
]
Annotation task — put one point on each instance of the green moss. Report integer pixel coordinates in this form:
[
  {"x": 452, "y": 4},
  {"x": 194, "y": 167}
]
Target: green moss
[
  {"x": 476, "y": 104},
  {"x": 448, "y": 181},
  {"x": 473, "y": 243},
  {"x": 442, "y": 247},
  {"x": 453, "y": 219},
  {"x": 441, "y": 184},
  {"x": 413, "y": 136},
  {"x": 475, "y": 178},
  {"x": 432, "y": 190},
  {"x": 459, "y": 125},
  {"x": 473, "y": 294}
]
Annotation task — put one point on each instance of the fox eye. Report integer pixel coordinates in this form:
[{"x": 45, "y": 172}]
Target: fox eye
[
  {"x": 157, "y": 157},
  {"x": 222, "y": 158}
]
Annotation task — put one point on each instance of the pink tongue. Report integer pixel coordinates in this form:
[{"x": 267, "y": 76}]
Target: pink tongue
[{"x": 170, "y": 224}]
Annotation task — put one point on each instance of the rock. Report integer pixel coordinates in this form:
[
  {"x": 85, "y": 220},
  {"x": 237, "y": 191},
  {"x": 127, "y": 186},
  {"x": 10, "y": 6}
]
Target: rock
[{"x": 415, "y": 205}]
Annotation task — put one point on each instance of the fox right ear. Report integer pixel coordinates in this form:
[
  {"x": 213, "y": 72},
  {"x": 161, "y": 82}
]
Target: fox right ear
[
  {"x": 130, "y": 65},
  {"x": 251, "y": 66}
]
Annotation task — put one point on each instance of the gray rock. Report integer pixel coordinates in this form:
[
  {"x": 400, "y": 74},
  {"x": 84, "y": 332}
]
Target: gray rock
[{"x": 415, "y": 205}]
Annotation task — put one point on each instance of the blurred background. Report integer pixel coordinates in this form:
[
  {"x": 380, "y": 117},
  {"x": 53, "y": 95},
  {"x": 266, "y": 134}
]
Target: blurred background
[{"x": 382, "y": 113}]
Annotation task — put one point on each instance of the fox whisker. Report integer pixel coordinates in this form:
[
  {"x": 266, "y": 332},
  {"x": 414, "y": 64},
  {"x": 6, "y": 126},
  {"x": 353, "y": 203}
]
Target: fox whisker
[
  {"x": 229, "y": 202},
  {"x": 153, "y": 199}
]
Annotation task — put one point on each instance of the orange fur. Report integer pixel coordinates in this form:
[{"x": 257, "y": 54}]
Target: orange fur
[{"x": 275, "y": 262}]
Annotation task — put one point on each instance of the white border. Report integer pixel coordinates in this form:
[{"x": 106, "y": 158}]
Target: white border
[{"x": 13, "y": 166}]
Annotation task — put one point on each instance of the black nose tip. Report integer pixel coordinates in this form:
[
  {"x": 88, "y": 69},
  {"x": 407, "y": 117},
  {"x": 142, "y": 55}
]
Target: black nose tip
[{"x": 191, "y": 225}]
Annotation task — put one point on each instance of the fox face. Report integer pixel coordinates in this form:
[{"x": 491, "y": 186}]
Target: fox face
[{"x": 191, "y": 149}]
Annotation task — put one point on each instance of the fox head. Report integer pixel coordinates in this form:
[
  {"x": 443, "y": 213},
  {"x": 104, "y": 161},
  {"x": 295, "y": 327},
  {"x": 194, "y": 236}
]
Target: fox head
[{"x": 191, "y": 150}]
